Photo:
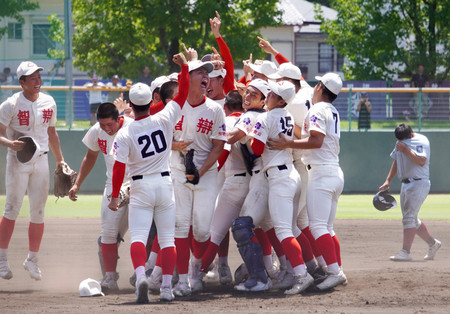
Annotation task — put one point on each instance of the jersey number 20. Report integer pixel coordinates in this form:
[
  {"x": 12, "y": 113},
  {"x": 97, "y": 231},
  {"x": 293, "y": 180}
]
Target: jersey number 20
[{"x": 155, "y": 142}]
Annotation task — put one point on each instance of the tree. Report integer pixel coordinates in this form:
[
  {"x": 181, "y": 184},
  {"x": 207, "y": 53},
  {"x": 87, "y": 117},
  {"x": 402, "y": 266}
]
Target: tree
[
  {"x": 12, "y": 9},
  {"x": 121, "y": 36},
  {"x": 381, "y": 39}
]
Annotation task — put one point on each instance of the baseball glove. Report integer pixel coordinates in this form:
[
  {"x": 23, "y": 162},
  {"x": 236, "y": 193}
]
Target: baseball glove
[
  {"x": 124, "y": 194},
  {"x": 63, "y": 178},
  {"x": 190, "y": 167}
]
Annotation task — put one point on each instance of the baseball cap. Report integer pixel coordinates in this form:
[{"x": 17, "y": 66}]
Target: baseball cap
[
  {"x": 288, "y": 70},
  {"x": 260, "y": 85},
  {"x": 30, "y": 152},
  {"x": 157, "y": 82},
  {"x": 173, "y": 76},
  {"x": 206, "y": 57},
  {"x": 266, "y": 67},
  {"x": 140, "y": 94},
  {"x": 332, "y": 81},
  {"x": 284, "y": 89},
  {"x": 27, "y": 68},
  {"x": 129, "y": 82},
  {"x": 219, "y": 72},
  {"x": 94, "y": 77},
  {"x": 115, "y": 76},
  {"x": 196, "y": 64},
  {"x": 89, "y": 288}
]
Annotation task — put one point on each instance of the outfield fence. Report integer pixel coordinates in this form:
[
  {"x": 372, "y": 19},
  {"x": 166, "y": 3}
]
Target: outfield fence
[{"x": 424, "y": 108}]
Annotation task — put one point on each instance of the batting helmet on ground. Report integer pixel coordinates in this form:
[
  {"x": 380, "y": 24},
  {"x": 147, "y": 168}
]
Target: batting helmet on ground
[{"x": 384, "y": 201}]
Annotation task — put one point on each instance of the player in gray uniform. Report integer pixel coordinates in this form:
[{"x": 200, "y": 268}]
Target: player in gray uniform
[{"x": 411, "y": 163}]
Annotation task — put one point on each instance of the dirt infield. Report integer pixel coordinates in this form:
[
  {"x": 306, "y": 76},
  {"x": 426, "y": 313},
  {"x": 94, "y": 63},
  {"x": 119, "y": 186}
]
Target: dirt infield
[{"x": 376, "y": 285}]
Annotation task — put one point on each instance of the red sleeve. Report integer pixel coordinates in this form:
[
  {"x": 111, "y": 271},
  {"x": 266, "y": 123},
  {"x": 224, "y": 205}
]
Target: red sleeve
[
  {"x": 183, "y": 89},
  {"x": 223, "y": 157},
  {"x": 281, "y": 59},
  {"x": 117, "y": 178},
  {"x": 243, "y": 80},
  {"x": 257, "y": 147},
  {"x": 228, "y": 84},
  {"x": 155, "y": 108}
]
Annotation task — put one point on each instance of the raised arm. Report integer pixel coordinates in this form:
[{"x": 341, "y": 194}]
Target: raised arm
[{"x": 183, "y": 89}]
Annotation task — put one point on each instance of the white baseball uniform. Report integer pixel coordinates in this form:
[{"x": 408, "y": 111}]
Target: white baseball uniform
[
  {"x": 24, "y": 117},
  {"x": 234, "y": 190},
  {"x": 415, "y": 179},
  {"x": 195, "y": 203},
  {"x": 283, "y": 179},
  {"x": 325, "y": 177},
  {"x": 298, "y": 108},
  {"x": 144, "y": 146},
  {"x": 114, "y": 223}
]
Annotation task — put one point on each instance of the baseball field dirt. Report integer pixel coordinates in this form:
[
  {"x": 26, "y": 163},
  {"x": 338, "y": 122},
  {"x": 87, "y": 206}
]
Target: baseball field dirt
[{"x": 375, "y": 284}]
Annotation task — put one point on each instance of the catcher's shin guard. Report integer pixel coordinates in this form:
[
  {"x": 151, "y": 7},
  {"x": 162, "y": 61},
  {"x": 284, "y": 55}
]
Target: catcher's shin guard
[
  {"x": 251, "y": 252},
  {"x": 100, "y": 256}
]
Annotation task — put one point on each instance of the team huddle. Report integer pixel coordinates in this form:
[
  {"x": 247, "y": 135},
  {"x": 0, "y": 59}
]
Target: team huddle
[{"x": 201, "y": 155}]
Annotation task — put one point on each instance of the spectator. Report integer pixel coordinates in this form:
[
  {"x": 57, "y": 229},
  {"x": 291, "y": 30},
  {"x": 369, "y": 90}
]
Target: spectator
[
  {"x": 6, "y": 78},
  {"x": 113, "y": 95},
  {"x": 95, "y": 96},
  {"x": 420, "y": 99},
  {"x": 364, "y": 109},
  {"x": 146, "y": 77}
]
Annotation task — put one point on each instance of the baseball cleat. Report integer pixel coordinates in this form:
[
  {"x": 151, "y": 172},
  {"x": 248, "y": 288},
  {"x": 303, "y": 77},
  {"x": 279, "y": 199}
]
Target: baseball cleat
[
  {"x": 132, "y": 280},
  {"x": 283, "y": 280},
  {"x": 332, "y": 281},
  {"x": 213, "y": 271},
  {"x": 300, "y": 284},
  {"x": 166, "y": 294},
  {"x": 432, "y": 250},
  {"x": 194, "y": 277},
  {"x": 181, "y": 289},
  {"x": 401, "y": 256},
  {"x": 260, "y": 286},
  {"x": 5, "y": 271},
  {"x": 142, "y": 296},
  {"x": 32, "y": 267},
  {"x": 155, "y": 279},
  {"x": 225, "y": 274},
  {"x": 109, "y": 283}
]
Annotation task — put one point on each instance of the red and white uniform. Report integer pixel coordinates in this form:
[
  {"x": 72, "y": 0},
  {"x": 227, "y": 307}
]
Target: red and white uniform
[
  {"x": 24, "y": 117},
  {"x": 113, "y": 222},
  {"x": 144, "y": 146},
  {"x": 326, "y": 179},
  {"x": 299, "y": 108},
  {"x": 283, "y": 179},
  {"x": 256, "y": 201},
  {"x": 195, "y": 203}
]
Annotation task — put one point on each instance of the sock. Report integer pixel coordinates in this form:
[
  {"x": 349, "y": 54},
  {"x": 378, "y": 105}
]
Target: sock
[
  {"x": 183, "y": 253},
  {"x": 337, "y": 247},
  {"x": 151, "y": 262},
  {"x": 6, "y": 231},
  {"x": 321, "y": 261},
  {"x": 169, "y": 258},
  {"x": 199, "y": 248},
  {"x": 422, "y": 232},
  {"x": 293, "y": 251},
  {"x": 166, "y": 281},
  {"x": 275, "y": 242},
  {"x": 155, "y": 245},
  {"x": 3, "y": 254},
  {"x": 209, "y": 256},
  {"x": 312, "y": 241},
  {"x": 140, "y": 270},
  {"x": 263, "y": 239},
  {"x": 32, "y": 255},
  {"x": 110, "y": 255},
  {"x": 138, "y": 255},
  {"x": 224, "y": 245},
  {"x": 268, "y": 262},
  {"x": 223, "y": 260},
  {"x": 408, "y": 238},
  {"x": 326, "y": 246},
  {"x": 35, "y": 233},
  {"x": 283, "y": 262},
  {"x": 307, "y": 251}
]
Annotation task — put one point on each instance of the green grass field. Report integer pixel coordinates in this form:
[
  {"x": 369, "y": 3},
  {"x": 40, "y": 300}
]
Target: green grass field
[{"x": 436, "y": 207}]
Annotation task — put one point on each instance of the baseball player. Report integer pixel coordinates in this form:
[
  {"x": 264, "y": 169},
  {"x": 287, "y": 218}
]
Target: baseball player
[
  {"x": 283, "y": 179},
  {"x": 30, "y": 113},
  {"x": 100, "y": 138},
  {"x": 320, "y": 141},
  {"x": 202, "y": 122},
  {"x": 144, "y": 146},
  {"x": 411, "y": 163},
  {"x": 298, "y": 107},
  {"x": 256, "y": 203}
]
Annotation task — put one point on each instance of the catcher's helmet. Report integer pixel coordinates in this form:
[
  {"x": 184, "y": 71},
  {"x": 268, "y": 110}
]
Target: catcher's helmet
[
  {"x": 30, "y": 151},
  {"x": 384, "y": 201}
]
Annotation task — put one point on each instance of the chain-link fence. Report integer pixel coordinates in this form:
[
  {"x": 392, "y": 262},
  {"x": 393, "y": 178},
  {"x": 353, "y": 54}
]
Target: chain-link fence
[{"x": 423, "y": 108}]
